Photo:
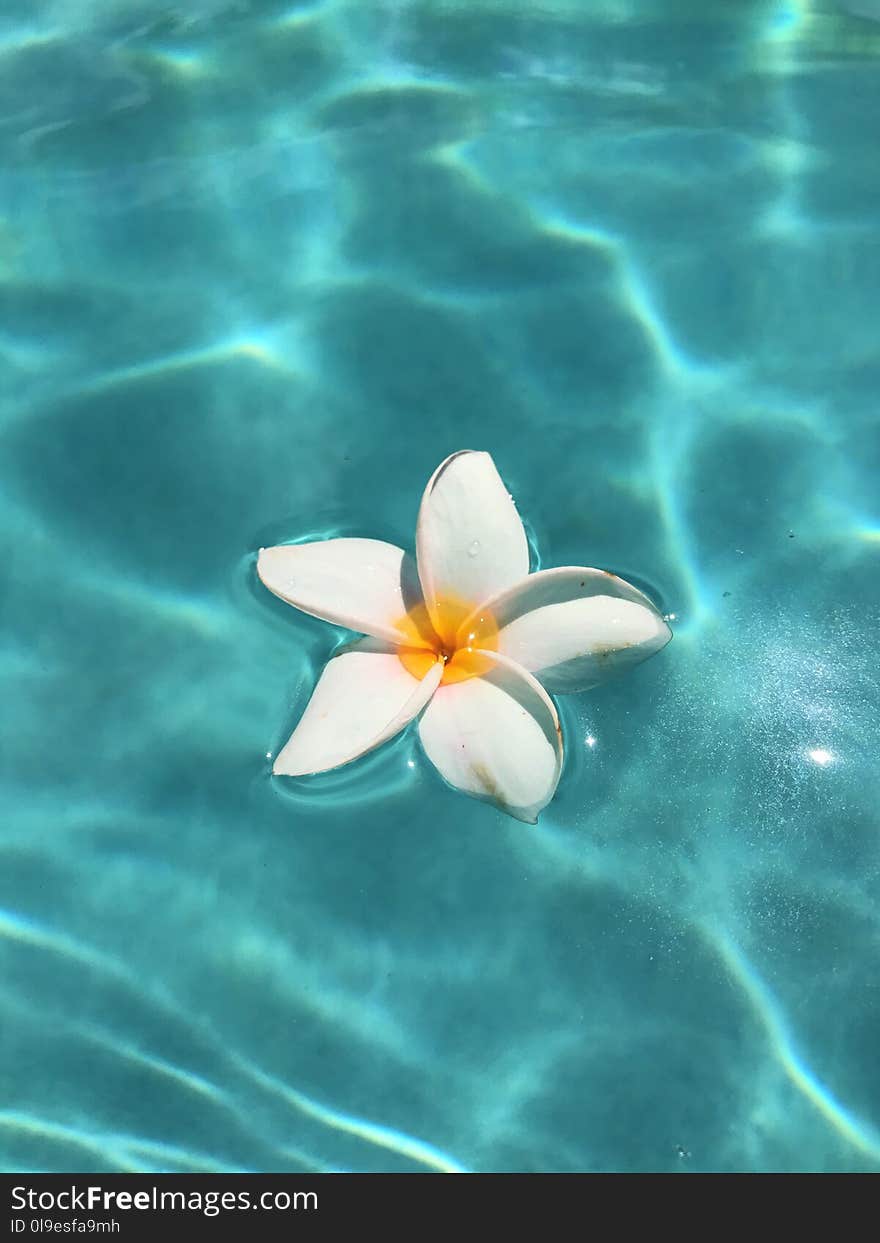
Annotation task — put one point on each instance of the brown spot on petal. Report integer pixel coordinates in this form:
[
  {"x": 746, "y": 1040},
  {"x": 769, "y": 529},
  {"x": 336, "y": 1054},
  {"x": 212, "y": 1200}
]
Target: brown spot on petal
[
  {"x": 484, "y": 778},
  {"x": 603, "y": 654}
]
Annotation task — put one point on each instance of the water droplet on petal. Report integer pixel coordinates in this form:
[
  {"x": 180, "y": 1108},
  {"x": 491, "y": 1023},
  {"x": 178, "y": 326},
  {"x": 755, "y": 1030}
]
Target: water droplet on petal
[{"x": 474, "y": 548}]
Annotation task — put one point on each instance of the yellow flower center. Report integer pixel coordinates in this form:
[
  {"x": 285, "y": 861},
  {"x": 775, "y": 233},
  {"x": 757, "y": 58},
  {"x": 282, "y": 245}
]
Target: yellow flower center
[{"x": 456, "y": 635}]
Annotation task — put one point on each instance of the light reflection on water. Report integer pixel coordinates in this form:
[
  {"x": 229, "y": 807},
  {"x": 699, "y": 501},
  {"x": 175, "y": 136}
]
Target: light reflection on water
[{"x": 261, "y": 268}]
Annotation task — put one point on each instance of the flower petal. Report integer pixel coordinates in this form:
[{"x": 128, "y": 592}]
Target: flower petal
[
  {"x": 470, "y": 542},
  {"x": 496, "y": 737},
  {"x": 364, "y": 584},
  {"x": 363, "y": 697},
  {"x": 575, "y": 627}
]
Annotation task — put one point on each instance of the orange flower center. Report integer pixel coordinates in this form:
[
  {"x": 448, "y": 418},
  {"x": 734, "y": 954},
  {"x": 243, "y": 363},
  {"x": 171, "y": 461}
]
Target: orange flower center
[{"x": 454, "y": 633}]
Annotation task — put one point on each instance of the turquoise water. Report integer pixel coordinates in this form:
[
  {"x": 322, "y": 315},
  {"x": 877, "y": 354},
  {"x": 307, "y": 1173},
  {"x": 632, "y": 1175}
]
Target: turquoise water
[{"x": 262, "y": 266}]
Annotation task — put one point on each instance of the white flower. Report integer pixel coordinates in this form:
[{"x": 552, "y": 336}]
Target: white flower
[{"x": 463, "y": 636}]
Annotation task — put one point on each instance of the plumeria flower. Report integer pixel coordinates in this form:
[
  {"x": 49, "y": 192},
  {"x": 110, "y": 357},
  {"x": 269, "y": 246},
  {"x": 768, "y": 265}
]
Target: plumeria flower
[{"x": 462, "y": 636}]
